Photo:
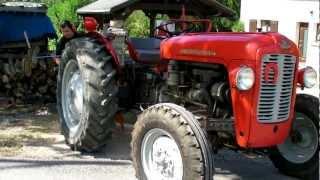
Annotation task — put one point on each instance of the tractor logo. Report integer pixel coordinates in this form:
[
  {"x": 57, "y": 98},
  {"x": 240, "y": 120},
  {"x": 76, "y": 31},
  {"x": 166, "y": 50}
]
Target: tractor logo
[
  {"x": 285, "y": 44},
  {"x": 271, "y": 73},
  {"x": 197, "y": 52}
]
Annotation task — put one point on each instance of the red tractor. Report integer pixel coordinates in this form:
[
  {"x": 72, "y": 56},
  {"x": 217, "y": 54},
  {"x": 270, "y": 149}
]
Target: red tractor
[{"x": 199, "y": 91}]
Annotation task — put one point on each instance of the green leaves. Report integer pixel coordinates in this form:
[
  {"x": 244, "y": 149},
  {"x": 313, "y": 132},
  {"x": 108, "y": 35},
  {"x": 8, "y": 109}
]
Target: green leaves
[
  {"x": 224, "y": 24},
  {"x": 237, "y": 26},
  {"x": 137, "y": 24},
  {"x": 61, "y": 10}
]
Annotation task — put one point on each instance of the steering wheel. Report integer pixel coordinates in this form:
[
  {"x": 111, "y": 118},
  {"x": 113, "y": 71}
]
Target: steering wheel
[{"x": 164, "y": 28}]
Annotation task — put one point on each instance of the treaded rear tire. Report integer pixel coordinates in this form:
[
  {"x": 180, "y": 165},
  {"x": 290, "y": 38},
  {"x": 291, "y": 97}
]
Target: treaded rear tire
[
  {"x": 99, "y": 96},
  {"x": 183, "y": 127},
  {"x": 309, "y": 106}
]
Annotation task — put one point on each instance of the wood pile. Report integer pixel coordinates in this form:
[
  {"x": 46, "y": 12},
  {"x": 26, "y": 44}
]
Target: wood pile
[{"x": 37, "y": 86}]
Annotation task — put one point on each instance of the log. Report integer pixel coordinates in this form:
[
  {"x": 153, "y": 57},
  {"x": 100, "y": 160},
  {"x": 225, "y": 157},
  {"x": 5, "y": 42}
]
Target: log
[
  {"x": 5, "y": 79},
  {"x": 40, "y": 86}
]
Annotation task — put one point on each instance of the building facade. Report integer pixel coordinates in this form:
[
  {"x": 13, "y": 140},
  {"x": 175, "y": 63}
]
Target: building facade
[{"x": 299, "y": 20}]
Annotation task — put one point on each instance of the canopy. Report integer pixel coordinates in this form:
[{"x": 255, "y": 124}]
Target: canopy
[
  {"x": 118, "y": 8},
  {"x": 101, "y": 7},
  {"x": 13, "y": 26}
]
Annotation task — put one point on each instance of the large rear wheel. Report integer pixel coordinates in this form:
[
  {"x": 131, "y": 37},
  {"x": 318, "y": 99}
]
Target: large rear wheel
[
  {"x": 86, "y": 94},
  {"x": 168, "y": 143},
  {"x": 299, "y": 155}
]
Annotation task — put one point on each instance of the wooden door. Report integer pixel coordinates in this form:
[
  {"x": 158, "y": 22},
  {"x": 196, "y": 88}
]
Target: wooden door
[{"x": 253, "y": 25}]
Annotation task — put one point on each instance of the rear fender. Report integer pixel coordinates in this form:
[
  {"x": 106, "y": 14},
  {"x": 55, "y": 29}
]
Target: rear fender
[{"x": 109, "y": 48}]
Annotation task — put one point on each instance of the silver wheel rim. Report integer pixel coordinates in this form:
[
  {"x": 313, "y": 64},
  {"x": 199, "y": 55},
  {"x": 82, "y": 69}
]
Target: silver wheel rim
[
  {"x": 72, "y": 97},
  {"x": 303, "y": 141},
  {"x": 161, "y": 156}
]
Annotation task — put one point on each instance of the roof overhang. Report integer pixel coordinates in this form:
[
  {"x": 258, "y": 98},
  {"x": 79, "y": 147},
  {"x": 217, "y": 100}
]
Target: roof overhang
[
  {"x": 104, "y": 6},
  {"x": 118, "y": 8},
  {"x": 23, "y": 7}
]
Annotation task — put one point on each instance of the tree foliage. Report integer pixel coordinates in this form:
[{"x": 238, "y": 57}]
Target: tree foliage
[
  {"x": 137, "y": 24},
  {"x": 60, "y": 10},
  {"x": 225, "y": 24}
]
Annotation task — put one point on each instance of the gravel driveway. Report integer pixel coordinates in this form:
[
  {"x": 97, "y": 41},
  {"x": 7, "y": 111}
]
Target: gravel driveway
[{"x": 53, "y": 160}]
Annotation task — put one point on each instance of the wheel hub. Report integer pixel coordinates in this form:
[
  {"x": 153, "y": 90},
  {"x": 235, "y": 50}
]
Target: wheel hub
[
  {"x": 296, "y": 137},
  {"x": 303, "y": 141},
  {"x": 72, "y": 96},
  {"x": 75, "y": 95},
  {"x": 161, "y": 157}
]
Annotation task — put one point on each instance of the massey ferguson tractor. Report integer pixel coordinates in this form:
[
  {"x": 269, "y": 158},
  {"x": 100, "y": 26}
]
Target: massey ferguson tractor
[{"x": 199, "y": 91}]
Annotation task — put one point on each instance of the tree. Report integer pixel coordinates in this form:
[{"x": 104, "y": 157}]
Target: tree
[
  {"x": 61, "y": 10},
  {"x": 137, "y": 24},
  {"x": 225, "y": 24}
]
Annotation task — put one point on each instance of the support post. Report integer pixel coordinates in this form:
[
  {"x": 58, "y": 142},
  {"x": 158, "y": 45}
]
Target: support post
[{"x": 152, "y": 18}]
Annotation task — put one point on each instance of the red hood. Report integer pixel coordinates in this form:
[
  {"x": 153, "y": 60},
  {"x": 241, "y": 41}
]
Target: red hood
[{"x": 224, "y": 46}]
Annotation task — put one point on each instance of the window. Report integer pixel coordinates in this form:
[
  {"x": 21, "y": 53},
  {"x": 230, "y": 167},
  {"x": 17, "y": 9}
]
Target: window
[
  {"x": 263, "y": 26},
  {"x": 269, "y": 26},
  {"x": 303, "y": 29},
  {"x": 318, "y": 32}
]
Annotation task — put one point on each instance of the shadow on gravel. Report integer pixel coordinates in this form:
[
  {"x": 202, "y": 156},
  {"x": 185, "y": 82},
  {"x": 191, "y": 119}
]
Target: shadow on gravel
[
  {"x": 24, "y": 163},
  {"x": 118, "y": 148},
  {"x": 46, "y": 153},
  {"x": 235, "y": 166}
]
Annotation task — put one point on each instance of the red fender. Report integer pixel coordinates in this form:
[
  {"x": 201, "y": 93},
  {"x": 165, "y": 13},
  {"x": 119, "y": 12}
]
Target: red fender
[
  {"x": 91, "y": 25},
  {"x": 108, "y": 46}
]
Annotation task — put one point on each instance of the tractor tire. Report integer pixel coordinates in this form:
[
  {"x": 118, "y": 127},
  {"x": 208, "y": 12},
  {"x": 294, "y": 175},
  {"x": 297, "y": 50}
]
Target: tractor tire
[
  {"x": 298, "y": 156},
  {"x": 86, "y": 94},
  {"x": 168, "y": 143}
]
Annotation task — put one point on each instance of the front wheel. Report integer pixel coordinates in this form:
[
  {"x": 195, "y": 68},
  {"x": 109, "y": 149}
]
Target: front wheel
[
  {"x": 168, "y": 143},
  {"x": 299, "y": 155}
]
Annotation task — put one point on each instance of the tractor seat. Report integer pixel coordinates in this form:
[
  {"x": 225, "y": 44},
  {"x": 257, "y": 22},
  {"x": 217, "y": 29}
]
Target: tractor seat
[{"x": 145, "y": 50}]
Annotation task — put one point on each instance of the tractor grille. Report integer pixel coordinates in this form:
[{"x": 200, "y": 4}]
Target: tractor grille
[{"x": 275, "y": 98}]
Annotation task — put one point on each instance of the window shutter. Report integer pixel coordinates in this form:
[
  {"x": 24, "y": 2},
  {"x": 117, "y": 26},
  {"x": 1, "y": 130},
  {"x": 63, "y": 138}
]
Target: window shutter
[
  {"x": 274, "y": 26},
  {"x": 253, "y": 25},
  {"x": 318, "y": 32}
]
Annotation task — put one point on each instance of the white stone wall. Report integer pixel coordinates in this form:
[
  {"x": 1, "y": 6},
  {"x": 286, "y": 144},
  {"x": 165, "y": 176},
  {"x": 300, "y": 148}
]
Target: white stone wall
[{"x": 288, "y": 13}]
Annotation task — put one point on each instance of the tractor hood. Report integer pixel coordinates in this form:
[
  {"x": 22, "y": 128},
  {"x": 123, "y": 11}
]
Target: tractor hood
[{"x": 222, "y": 47}]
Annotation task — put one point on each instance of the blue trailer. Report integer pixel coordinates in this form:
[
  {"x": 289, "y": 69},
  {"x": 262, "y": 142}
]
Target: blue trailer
[
  {"x": 18, "y": 19},
  {"x": 25, "y": 30}
]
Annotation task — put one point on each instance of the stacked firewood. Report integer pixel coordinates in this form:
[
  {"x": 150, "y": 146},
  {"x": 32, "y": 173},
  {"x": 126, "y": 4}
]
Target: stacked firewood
[{"x": 37, "y": 86}]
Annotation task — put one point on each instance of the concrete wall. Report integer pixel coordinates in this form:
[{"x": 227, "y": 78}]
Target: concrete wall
[{"x": 288, "y": 13}]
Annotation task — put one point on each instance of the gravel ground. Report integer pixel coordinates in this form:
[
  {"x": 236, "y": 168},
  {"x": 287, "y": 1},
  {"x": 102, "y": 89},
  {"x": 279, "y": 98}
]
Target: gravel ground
[{"x": 54, "y": 160}]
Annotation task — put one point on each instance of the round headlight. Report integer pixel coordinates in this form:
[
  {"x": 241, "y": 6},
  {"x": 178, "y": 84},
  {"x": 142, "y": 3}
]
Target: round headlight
[
  {"x": 245, "y": 78},
  {"x": 309, "y": 77}
]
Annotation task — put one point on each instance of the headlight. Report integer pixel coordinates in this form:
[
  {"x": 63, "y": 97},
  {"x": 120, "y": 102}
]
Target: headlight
[
  {"x": 309, "y": 77},
  {"x": 245, "y": 78}
]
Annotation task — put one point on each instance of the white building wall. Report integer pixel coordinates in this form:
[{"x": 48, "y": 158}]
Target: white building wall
[{"x": 288, "y": 13}]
